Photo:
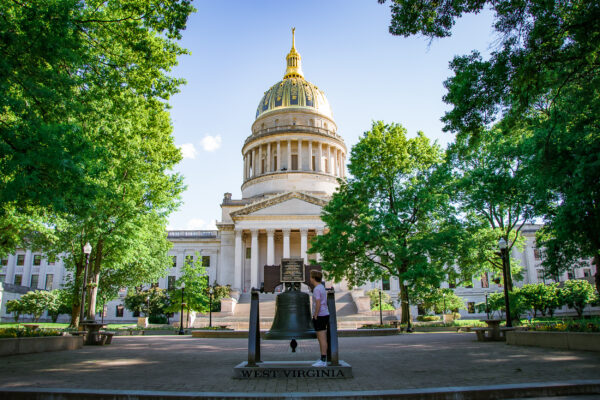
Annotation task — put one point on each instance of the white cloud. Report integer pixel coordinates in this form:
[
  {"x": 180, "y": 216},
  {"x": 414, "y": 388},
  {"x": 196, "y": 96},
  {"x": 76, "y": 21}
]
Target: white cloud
[
  {"x": 211, "y": 143},
  {"x": 200, "y": 224},
  {"x": 188, "y": 150}
]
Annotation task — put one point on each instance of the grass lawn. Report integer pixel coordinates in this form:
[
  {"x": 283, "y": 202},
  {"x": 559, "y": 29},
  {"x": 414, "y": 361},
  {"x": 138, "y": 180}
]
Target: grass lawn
[{"x": 48, "y": 325}]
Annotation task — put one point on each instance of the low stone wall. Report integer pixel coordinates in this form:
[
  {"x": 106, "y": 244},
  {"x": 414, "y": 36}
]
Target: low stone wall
[
  {"x": 39, "y": 344},
  {"x": 560, "y": 340}
]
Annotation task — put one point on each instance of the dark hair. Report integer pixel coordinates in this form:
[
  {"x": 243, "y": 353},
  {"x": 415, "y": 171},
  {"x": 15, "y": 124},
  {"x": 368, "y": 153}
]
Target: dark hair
[{"x": 316, "y": 275}]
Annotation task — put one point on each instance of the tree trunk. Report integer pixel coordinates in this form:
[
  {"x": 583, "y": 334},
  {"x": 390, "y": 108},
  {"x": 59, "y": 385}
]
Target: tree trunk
[
  {"x": 94, "y": 281},
  {"x": 404, "y": 303},
  {"x": 76, "y": 309},
  {"x": 597, "y": 274}
]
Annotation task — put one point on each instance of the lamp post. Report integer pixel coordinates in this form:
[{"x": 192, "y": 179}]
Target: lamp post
[
  {"x": 444, "y": 296},
  {"x": 408, "y": 326},
  {"x": 503, "y": 253},
  {"x": 487, "y": 308},
  {"x": 380, "y": 312},
  {"x": 181, "y": 332},
  {"x": 87, "y": 250},
  {"x": 148, "y": 307},
  {"x": 210, "y": 295}
]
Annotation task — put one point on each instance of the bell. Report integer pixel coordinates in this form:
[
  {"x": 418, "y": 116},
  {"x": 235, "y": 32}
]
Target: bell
[{"x": 292, "y": 317}]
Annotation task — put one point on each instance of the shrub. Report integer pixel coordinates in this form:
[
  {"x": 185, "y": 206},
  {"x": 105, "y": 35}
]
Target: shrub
[
  {"x": 8, "y": 333},
  {"x": 577, "y": 294},
  {"x": 428, "y": 318},
  {"x": 386, "y": 300}
]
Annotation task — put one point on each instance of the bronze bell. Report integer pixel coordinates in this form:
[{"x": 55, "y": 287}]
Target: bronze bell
[{"x": 292, "y": 317}]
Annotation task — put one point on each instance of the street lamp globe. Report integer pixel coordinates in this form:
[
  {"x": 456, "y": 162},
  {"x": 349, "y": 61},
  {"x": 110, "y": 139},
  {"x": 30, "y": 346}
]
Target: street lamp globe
[
  {"x": 87, "y": 249},
  {"x": 502, "y": 244},
  {"x": 210, "y": 290}
]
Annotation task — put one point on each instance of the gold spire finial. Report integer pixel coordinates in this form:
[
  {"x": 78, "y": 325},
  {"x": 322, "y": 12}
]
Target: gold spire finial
[{"x": 293, "y": 61}]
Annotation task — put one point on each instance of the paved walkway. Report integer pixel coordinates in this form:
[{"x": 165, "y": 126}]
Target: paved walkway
[{"x": 181, "y": 363}]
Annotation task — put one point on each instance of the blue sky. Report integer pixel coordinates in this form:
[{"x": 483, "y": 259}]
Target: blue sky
[{"x": 238, "y": 52}]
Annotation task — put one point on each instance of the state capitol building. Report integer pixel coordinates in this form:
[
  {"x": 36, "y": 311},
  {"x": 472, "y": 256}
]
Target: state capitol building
[{"x": 292, "y": 161}]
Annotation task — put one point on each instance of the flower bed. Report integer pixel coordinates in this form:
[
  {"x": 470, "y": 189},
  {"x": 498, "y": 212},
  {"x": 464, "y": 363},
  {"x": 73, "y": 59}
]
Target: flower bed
[
  {"x": 23, "y": 332},
  {"x": 580, "y": 325}
]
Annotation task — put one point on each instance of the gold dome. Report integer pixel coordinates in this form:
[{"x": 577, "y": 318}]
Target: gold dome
[{"x": 294, "y": 91}]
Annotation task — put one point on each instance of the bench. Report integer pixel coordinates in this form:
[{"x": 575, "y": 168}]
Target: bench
[
  {"x": 481, "y": 334},
  {"x": 108, "y": 336},
  {"x": 463, "y": 328}
]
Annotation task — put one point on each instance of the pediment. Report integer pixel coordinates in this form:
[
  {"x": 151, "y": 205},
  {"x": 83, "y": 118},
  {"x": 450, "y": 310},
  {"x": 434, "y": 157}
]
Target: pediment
[{"x": 291, "y": 203}]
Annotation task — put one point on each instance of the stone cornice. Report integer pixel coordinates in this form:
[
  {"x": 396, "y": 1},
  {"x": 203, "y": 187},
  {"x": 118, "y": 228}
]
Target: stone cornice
[
  {"x": 283, "y": 175},
  {"x": 271, "y": 201}
]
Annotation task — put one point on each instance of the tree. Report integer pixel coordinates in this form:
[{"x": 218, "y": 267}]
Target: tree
[
  {"x": 15, "y": 307},
  {"x": 392, "y": 216},
  {"x": 36, "y": 302},
  {"x": 541, "y": 297},
  {"x": 193, "y": 275},
  {"x": 151, "y": 302},
  {"x": 541, "y": 82},
  {"x": 577, "y": 294},
  {"x": 62, "y": 304},
  {"x": 386, "y": 300},
  {"x": 63, "y": 104},
  {"x": 496, "y": 303},
  {"x": 493, "y": 187},
  {"x": 435, "y": 299}
]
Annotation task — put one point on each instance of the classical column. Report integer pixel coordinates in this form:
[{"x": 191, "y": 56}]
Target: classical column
[
  {"x": 289, "y": 155},
  {"x": 310, "y": 156},
  {"x": 254, "y": 259},
  {"x": 286, "y": 243},
  {"x": 278, "y": 165},
  {"x": 270, "y": 246},
  {"x": 27, "y": 268},
  {"x": 10, "y": 269},
  {"x": 237, "y": 278},
  {"x": 245, "y": 167},
  {"x": 268, "y": 157},
  {"x": 330, "y": 159},
  {"x": 319, "y": 233},
  {"x": 254, "y": 162},
  {"x": 304, "y": 244},
  {"x": 335, "y": 162},
  {"x": 299, "y": 154},
  {"x": 319, "y": 163},
  {"x": 260, "y": 164}
]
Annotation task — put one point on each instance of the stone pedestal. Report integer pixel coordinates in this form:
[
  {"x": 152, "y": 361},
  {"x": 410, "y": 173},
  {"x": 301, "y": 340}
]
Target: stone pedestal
[
  {"x": 291, "y": 369},
  {"x": 228, "y": 306},
  {"x": 448, "y": 318},
  {"x": 142, "y": 322}
]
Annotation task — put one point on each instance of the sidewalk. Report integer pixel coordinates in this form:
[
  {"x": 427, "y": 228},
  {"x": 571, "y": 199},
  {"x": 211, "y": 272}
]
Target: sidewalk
[{"x": 175, "y": 363}]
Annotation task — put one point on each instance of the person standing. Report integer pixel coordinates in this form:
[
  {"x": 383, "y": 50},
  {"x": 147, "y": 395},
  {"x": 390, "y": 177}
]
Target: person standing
[{"x": 320, "y": 314}]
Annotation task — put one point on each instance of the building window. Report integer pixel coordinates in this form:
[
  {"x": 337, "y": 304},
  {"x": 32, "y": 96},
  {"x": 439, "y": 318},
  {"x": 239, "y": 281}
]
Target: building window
[
  {"x": 314, "y": 163},
  {"x": 485, "y": 282},
  {"x": 34, "y": 281},
  {"x": 537, "y": 254},
  {"x": 4, "y": 262},
  {"x": 385, "y": 283},
  {"x": 471, "y": 307},
  {"x": 206, "y": 261},
  {"x": 587, "y": 272},
  {"x": 37, "y": 259},
  {"x": 540, "y": 275},
  {"x": 136, "y": 314},
  {"x": 174, "y": 258},
  {"x": 274, "y": 166},
  {"x": 49, "y": 281},
  {"x": 2, "y": 278},
  {"x": 171, "y": 282},
  {"x": 294, "y": 162},
  {"x": 119, "y": 311},
  {"x": 189, "y": 260},
  {"x": 248, "y": 253},
  {"x": 21, "y": 259},
  {"x": 18, "y": 279}
]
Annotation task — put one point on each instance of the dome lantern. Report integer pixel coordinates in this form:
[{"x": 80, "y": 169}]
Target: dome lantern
[{"x": 293, "y": 61}]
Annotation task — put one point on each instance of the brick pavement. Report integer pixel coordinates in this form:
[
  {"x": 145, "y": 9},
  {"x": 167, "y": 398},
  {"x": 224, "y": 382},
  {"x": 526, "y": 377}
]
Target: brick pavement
[{"x": 182, "y": 363}]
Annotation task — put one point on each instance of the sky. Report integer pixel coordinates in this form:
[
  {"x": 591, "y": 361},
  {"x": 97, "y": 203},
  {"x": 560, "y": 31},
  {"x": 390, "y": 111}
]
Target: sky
[{"x": 238, "y": 50}]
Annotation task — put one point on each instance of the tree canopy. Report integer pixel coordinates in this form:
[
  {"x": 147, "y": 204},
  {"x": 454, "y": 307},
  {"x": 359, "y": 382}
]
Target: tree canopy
[
  {"x": 391, "y": 217},
  {"x": 541, "y": 82}
]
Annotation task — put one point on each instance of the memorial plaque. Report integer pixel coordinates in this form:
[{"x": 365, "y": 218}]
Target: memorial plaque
[{"x": 292, "y": 270}]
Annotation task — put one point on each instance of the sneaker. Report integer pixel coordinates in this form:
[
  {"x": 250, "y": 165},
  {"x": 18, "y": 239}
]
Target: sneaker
[{"x": 320, "y": 364}]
